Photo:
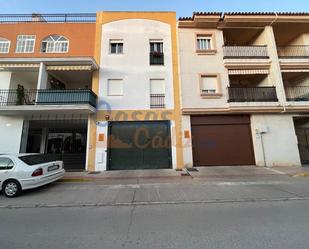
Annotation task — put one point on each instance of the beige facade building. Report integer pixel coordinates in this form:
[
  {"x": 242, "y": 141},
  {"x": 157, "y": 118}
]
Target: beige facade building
[{"x": 245, "y": 88}]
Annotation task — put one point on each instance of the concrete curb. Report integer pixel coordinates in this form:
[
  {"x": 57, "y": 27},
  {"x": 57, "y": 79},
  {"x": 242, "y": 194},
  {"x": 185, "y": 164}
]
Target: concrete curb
[{"x": 212, "y": 201}]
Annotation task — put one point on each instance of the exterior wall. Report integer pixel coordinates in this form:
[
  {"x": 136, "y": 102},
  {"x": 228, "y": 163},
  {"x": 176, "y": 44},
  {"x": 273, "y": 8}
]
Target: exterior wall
[
  {"x": 187, "y": 141},
  {"x": 5, "y": 80},
  {"x": 275, "y": 76},
  {"x": 303, "y": 39},
  {"x": 192, "y": 65},
  {"x": 10, "y": 135},
  {"x": 133, "y": 65},
  {"x": 135, "y": 29},
  {"x": 81, "y": 38},
  {"x": 279, "y": 141}
]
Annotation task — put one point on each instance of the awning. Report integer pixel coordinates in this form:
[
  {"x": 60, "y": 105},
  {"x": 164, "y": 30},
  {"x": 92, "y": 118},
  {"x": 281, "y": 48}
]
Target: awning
[
  {"x": 19, "y": 65},
  {"x": 295, "y": 70},
  {"x": 69, "y": 68},
  {"x": 248, "y": 71}
]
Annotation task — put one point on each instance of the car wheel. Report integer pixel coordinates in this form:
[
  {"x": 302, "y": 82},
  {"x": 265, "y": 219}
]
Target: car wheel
[{"x": 11, "y": 188}]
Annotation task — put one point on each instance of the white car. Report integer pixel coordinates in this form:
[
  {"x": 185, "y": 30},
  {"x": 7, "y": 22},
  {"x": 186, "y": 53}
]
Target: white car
[{"x": 27, "y": 171}]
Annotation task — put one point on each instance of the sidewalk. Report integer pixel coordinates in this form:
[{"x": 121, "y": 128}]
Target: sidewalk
[
  {"x": 231, "y": 173},
  {"x": 207, "y": 185}
]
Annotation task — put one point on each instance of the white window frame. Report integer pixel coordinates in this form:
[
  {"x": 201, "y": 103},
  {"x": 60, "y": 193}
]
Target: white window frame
[
  {"x": 54, "y": 44},
  {"x": 158, "y": 46},
  {"x": 25, "y": 45},
  {"x": 115, "y": 94},
  {"x": 5, "y": 41},
  {"x": 117, "y": 42},
  {"x": 199, "y": 38}
]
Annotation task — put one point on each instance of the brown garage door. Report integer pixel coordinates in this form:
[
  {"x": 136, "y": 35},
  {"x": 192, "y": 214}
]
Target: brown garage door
[{"x": 222, "y": 140}]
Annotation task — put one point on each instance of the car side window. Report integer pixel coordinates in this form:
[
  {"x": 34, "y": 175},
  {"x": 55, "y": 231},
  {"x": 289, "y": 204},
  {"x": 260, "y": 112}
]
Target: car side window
[{"x": 6, "y": 163}]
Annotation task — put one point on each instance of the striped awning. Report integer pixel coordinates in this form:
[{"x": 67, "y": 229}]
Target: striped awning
[
  {"x": 69, "y": 68},
  {"x": 19, "y": 65},
  {"x": 248, "y": 71},
  {"x": 295, "y": 70}
]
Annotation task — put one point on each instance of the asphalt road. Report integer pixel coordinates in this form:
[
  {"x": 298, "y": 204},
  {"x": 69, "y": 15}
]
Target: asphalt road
[{"x": 259, "y": 224}]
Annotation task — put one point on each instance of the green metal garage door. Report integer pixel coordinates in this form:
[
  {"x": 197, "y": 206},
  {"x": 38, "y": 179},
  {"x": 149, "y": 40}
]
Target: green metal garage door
[{"x": 139, "y": 145}]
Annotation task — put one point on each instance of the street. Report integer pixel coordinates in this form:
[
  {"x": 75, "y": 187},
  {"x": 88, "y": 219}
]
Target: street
[
  {"x": 273, "y": 224},
  {"x": 253, "y": 209}
]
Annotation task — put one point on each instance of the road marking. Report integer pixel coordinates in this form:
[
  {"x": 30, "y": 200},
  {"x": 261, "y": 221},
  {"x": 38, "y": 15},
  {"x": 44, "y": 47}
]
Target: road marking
[{"x": 276, "y": 171}]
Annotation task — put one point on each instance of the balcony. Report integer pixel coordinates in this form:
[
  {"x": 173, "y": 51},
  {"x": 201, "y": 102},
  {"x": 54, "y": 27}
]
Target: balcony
[
  {"x": 43, "y": 97},
  {"x": 156, "y": 58},
  {"x": 157, "y": 101},
  {"x": 245, "y": 52},
  {"x": 295, "y": 51},
  {"x": 297, "y": 93},
  {"x": 252, "y": 94}
]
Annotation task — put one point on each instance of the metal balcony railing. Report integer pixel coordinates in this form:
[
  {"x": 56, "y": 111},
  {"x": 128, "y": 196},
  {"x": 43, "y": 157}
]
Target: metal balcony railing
[
  {"x": 49, "y": 18},
  {"x": 297, "y": 93},
  {"x": 293, "y": 51},
  {"x": 156, "y": 58},
  {"x": 245, "y": 52},
  {"x": 157, "y": 101},
  {"x": 47, "y": 97},
  {"x": 252, "y": 94}
]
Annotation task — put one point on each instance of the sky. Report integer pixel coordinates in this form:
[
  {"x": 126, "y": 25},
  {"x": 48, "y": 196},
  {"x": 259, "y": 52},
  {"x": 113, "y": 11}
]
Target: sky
[{"x": 182, "y": 7}]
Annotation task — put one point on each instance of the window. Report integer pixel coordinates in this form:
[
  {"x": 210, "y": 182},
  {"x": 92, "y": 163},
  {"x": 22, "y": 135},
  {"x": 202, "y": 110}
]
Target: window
[
  {"x": 4, "y": 45},
  {"x": 115, "y": 87},
  {"x": 6, "y": 163},
  {"x": 209, "y": 85},
  {"x": 25, "y": 43},
  {"x": 116, "y": 46},
  {"x": 204, "y": 43},
  {"x": 156, "y": 47},
  {"x": 156, "y": 53},
  {"x": 157, "y": 93},
  {"x": 55, "y": 44}
]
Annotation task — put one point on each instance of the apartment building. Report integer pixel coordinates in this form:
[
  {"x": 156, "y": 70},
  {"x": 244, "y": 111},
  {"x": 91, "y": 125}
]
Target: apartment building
[
  {"x": 245, "y": 88},
  {"x": 138, "y": 120},
  {"x": 46, "y": 70},
  {"x": 137, "y": 90}
]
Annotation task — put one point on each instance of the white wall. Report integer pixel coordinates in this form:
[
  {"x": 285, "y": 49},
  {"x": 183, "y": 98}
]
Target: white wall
[
  {"x": 133, "y": 65},
  {"x": 5, "y": 79},
  {"x": 187, "y": 142},
  {"x": 10, "y": 134},
  {"x": 192, "y": 65},
  {"x": 280, "y": 141}
]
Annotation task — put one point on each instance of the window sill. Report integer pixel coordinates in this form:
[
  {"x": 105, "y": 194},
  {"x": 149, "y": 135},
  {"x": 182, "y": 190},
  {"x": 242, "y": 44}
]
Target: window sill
[
  {"x": 206, "y": 52},
  {"x": 211, "y": 95}
]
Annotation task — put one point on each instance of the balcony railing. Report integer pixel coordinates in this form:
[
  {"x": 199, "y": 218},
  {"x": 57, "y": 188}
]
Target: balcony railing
[
  {"x": 156, "y": 58},
  {"x": 245, "y": 52},
  {"x": 297, "y": 93},
  {"x": 49, "y": 18},
  {"x": 47, "y": 97},
  {"x": 157, "y": 101},
  {"x": 293, "y": 51},
  {"x": 252, "y": 94}
]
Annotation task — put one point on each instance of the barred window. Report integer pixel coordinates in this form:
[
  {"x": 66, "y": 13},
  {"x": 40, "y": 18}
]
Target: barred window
[
  {"x": 4, "y": 46},
  {"x": 25, "y": 43},
  {"x": 55, "y": 44}
]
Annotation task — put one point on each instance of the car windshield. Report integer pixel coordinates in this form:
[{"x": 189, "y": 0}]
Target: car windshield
[{"x": 38, "y": 159}]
